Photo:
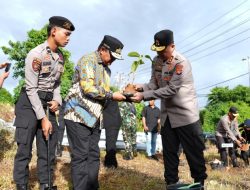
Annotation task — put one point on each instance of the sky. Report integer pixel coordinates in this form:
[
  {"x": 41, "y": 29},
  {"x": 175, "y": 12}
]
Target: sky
[{"x": 214, "y": 35}]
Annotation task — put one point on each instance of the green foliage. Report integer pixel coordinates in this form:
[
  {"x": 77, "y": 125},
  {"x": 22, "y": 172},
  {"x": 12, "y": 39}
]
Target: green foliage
[
  {"x": 220, "y": 100},
  {"x": 133, "y": 54},
  {"x": 139, "y": 60},
  {"x": 5, "y": 96},
  {"x": 114, "y": 88},
  {"x": 66, "y": 79},
  {"x": 224, "y": 94},
  {"x": 17, "y": 52},
  {"x": 17, "y": 90},
  {"x": 139, "y": 107}
]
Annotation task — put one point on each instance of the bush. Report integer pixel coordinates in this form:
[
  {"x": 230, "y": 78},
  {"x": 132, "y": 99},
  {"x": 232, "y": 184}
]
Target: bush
[{"x": 5, "y": 96}]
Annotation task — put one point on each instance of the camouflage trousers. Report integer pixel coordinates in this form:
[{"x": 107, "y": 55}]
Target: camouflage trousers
[{"x": 129, "y": 138}]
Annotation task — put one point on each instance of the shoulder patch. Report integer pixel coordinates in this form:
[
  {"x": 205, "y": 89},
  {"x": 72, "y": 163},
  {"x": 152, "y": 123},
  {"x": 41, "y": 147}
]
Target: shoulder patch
[
  {"x": 178, "y": 69},
  {"x": 36, "y": 64}
]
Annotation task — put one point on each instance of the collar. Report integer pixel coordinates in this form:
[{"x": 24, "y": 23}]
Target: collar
[
  {"x": 54, "y": 55},
  {"x": 99, "y": 60}
]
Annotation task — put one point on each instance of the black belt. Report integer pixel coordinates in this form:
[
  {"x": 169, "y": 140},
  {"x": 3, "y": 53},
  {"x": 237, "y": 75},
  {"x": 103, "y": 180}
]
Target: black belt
[{"x": 43, "y": 95}]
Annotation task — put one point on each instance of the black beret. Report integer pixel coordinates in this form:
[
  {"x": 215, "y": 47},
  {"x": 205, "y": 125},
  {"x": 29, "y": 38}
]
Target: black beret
[
  {"x": 114, "y": 45},
  {"x": 61, "y": 22},
  {"x": 162, "y": 39}
]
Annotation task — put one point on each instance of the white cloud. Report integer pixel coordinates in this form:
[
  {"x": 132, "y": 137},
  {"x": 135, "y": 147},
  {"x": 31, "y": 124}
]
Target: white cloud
[{"x": 135, "y": 22}]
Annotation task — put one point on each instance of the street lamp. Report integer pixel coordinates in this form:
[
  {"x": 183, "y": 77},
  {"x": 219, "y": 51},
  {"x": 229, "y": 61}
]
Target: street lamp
[{"x": 247, "y": 59}]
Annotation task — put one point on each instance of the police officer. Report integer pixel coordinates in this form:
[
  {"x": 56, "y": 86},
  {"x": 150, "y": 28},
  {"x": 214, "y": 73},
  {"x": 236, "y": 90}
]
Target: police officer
[
  {"x": 38, "y": 101},
  {"x": 227, "y": 132},
  {"x": 172, "y": 82}
]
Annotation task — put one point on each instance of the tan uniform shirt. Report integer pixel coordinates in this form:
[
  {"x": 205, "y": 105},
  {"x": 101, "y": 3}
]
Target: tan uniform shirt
[
  {"x": 173, "y": 84},
  {"x": 227, "y": 128},
  {"x": 43, "y": 69}
]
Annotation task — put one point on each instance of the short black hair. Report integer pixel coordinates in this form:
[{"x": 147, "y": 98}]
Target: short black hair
[{"x": 49, "y": 28}]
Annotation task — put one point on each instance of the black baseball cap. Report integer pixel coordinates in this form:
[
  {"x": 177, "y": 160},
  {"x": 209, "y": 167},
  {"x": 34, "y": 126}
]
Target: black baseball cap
[
  {"x": 162, "y": 39},
  {"x": 113, "y": 45},
  {"x": 247, "y": 123},
  {"x": 234, "y": 111},
  {"x": 61, "y": 22}
]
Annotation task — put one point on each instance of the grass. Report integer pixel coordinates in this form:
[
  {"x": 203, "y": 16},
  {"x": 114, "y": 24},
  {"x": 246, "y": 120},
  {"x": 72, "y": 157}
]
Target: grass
[
  {"x": 137, "y": 174},
  {"x": 6, "y": 112}
]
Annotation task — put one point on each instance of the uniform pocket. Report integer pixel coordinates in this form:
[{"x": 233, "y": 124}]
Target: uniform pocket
[{"x": 22, "y": 131}]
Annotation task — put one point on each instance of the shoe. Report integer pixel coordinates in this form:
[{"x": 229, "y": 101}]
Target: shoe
[
  {"x": 110, "y": 162},
  {"x": 127, "y": 156},
  {"x": 135, "y": 153},
  {"x": 201, "y": 185},
  {"x": 149, "y": 157},
  {"x": 235, "y": 163},
  {"x": 43, "y": 186},
  {"x": 21, "y": 187},
  {"x": 170, "y": 185},
  {"x": 134, "y": 150},
  {"x": 155, "y": 157}
]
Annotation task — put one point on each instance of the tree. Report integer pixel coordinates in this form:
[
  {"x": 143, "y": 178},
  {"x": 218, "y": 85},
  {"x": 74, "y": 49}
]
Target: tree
[
  {"x": 18, "y": 51},
  {"x": 224, "y": 94},
  {"x": 220, "y": 100},
  {"x": 5, "y": 96}
]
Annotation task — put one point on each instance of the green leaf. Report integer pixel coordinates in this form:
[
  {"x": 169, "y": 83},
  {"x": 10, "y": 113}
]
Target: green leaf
[
  {"x": 134, "y": 66},
  {"x": 148, "y": 57},
  {"x": 140, "y": 62},
  {"x": 133, "y": 54}
]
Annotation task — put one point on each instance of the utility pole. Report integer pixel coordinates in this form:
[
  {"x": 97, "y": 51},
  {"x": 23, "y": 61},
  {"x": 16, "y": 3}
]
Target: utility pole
[{"x": 248, "y": 62}]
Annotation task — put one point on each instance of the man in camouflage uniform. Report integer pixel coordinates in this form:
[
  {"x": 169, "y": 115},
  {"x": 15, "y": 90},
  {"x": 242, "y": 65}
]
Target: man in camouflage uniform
[
  {"x": 38, "y": 102},
  {"x": 128, "y": 114}
]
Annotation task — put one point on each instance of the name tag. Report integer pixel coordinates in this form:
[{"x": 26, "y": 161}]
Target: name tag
[{"x": 227, "y": 145}]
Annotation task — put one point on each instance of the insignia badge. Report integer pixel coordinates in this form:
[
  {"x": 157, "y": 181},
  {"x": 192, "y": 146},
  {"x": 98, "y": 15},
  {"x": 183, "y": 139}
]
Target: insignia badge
[
  {"x": 67, "y": 25},
  {"x": 36, "y": 64},
  {"x": 178, "y": 69},
  {"x": 46, "y": 69},
  {"x": 167, "y": 78},
  {"x": 119, "y": 50}
]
